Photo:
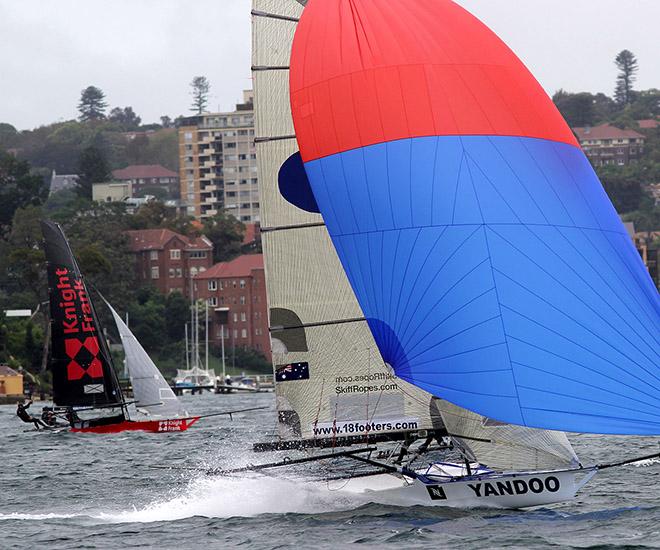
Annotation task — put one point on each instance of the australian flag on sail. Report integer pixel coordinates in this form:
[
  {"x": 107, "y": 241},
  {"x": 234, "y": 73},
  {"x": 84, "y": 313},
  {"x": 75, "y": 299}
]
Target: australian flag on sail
[{"x": 292, "y": 371}]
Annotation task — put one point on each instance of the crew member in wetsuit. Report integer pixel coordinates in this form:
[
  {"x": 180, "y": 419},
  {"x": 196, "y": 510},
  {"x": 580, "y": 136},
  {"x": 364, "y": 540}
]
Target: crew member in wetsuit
[
  {"x": 48, "y": 416},
  {"x": 21, "y": 412},
  {"x": 72, "y": 416}
]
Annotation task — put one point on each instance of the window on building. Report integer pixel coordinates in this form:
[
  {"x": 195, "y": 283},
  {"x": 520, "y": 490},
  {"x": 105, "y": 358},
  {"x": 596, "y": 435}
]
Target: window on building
[
  {"x": 198, "y": 254},
  {"x": 235, "y": 317},
  {"x": 242, "y": 283},
  {"x": 187, "y": 136},
  {"x": 213, "y": 284},
  {"x": 154, "y": 272},
  {"x": 212, "y": 301},
  {"x": 175, "y": 254},
  {"x": 243, "y": 300},
  {"x": 243, "y": 319},
  {"x": 233, "y": 283},
  {"x": 179, "y": 272},
  {"x": 153, "y": 255},
  {"x": 172, "y": 273},
  {"x": 222, "y": 301},
  {"x": 243, "y": 333},
  {"x": 235, "y": 334},
  {"x": 230, "y": 145},
  {"x": 193, "y": 271}
]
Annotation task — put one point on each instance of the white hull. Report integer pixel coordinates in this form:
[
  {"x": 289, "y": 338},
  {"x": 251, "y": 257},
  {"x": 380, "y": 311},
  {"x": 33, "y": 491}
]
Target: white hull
[{"x": 491, "y": 490}]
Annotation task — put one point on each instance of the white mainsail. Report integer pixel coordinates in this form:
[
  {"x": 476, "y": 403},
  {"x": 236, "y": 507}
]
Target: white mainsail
[
  {"x": 338, "y": 383},
  {"x": 304, "y": 277},
  {"x": 151, "y": 391}
]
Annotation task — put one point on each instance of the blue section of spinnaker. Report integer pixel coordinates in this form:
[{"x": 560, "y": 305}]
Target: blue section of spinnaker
[
  {"x": 294, "y": 185},
  {"x": 496, "y": 274}
]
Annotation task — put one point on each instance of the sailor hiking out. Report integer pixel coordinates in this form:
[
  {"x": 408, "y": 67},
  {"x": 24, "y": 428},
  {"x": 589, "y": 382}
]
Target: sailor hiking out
[{"x": 21, "y": 412}]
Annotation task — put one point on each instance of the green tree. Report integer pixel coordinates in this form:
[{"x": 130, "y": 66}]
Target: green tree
[
  {"x": 577, "y": 109},
  {"x": 226, "y": 233},
  {"x": 92, "y": 104},
  {"x": 18, "y": 188},
  {"x": 125, "y": 117},
  {"x": 147, "y": 317},
  {"x": 136, "y": 150},
  {"x": 92, "y": 168},
  {"x": 23, "y": 270},
  {"x": 177, "y": 312},
  {"x": 200, "y": 92},
  {"x": 626, "y": 62},
  {"x": 166, "y": 122},
  {"x": 623, "y": 185},
  {"x": 8, "y": 136}
]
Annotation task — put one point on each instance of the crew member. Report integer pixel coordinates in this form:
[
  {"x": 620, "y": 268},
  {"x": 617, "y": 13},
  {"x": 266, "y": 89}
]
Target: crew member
[
  {"x": 21, "y": 412},
  {"x": 48, "y": 416}
]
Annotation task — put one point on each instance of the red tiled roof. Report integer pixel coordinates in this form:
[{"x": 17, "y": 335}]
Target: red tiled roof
[
  {"x": 238, "y": 267},
  {"x": 143, "y": 171},
  {"x": 6, "y": 370},
  {"x": 648, "y": 123},
  {"x": 605, "y": 131},
  {"x": 156, "y": 239}
]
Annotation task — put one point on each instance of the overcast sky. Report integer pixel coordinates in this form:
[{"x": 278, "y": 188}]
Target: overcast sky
[{"x": 144, "y": 53}]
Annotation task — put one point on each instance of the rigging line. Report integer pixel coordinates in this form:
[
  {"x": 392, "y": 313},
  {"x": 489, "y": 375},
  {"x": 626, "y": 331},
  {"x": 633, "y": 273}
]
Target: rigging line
[
  {"x": 279, "y": 328},
  {"x": 259, "y": 13},
  {"x": 263, "y": 139},
  {"x": 258, "y": 68},
  {"x": 294, "y": 226}
]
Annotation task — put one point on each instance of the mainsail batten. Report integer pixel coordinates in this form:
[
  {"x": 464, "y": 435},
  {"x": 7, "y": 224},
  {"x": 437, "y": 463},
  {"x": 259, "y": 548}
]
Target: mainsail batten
[{"x": 506, "y": 283}]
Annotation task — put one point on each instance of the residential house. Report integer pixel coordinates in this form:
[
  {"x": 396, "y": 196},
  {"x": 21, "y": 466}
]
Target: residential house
[
  {"x": 11, "y": 382},
  {"x": 168, "y": 260},
  {"x": 148, "y": 178},
  {"x": 236, "y": 294},
  {"x": 606, "y": 144}
]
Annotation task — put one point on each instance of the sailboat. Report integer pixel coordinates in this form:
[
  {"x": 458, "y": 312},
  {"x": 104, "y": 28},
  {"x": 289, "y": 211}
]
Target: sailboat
[
  {"x": 441, "y": 260},
  {"x": 84, "y": 377}
]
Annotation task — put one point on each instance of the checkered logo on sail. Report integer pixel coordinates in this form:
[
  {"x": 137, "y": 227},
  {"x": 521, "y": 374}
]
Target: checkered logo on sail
[{"x": 83, "y": 358}]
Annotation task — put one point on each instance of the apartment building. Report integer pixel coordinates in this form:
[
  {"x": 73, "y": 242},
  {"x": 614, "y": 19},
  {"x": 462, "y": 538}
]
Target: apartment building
[
  {"x": 145, "y": 178},
  {"x": 606, "y": 144},
  {"x": 168, "y": 260},
  {"x": 236, "y": 294},
  {"x": 218, "y": 163}
]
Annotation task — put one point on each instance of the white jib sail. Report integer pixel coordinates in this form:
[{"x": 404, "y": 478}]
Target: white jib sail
[
  {"x": 506, "y": 447},
  {"x": 330, "y": 380},
  {"x": 151, "y": 391}
]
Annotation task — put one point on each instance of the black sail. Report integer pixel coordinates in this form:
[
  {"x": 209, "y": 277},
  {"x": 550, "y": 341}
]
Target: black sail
[{"x": 80, "y": 361}]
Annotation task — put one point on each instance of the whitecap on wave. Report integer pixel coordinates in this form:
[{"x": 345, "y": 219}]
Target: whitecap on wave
[{"x": 230, "y": 497}]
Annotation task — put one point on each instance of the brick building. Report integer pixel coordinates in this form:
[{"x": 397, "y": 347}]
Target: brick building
[
  {"x": 168, "y": 260},
  {"x": 605, "y": 144},
  {"x": 236, "y": 294},
  {"x": 148, "y": 177}
]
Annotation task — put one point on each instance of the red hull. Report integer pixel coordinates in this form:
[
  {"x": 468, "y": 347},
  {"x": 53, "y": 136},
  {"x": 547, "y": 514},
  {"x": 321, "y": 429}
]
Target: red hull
[{"x": 154, "y": 426}]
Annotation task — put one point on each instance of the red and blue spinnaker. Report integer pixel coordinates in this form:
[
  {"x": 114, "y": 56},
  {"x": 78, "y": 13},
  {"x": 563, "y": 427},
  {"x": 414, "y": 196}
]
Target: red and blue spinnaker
[{"x": 488, "y": 260}]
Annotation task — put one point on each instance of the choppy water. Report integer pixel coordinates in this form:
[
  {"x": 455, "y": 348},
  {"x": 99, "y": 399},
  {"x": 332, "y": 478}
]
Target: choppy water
[{"x": 62, "y": 490}]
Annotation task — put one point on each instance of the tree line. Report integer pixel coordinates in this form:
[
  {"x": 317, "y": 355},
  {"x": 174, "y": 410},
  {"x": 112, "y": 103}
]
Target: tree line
[{"x": 627, "y": 186}]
